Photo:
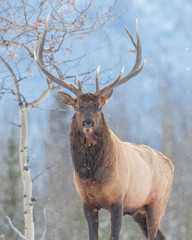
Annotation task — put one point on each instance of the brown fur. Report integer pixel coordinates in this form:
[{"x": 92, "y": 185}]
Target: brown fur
[{"x": 89, "y": 152}]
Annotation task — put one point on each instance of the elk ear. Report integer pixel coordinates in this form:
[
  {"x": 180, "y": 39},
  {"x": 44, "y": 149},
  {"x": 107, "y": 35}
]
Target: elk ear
[
  {"x": 104, "y": 99},
  {"x": 66, "y": 99}
]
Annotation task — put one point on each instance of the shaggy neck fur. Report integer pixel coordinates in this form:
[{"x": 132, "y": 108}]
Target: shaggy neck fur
[{"x": 91, "y": 154}]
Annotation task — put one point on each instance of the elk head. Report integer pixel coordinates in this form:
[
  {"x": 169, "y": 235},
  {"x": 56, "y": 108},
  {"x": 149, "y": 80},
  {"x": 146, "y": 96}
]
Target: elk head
[
  {"x": 88, "y": 106},
  {"x": 88, "y": 109}
]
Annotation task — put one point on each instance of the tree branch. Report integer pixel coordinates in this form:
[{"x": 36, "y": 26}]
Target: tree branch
[
  {"x": 15, "y": 80},
  {"x": 15, "y": 229},
  {"x": 41, "y": 173},
  {"x": 40, "y": 98},
  {"x": 7, "y": 43}
]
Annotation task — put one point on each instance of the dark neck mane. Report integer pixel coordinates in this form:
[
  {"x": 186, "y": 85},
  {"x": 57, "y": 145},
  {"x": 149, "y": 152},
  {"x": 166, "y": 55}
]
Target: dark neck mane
[{"x": 90, "y": 155}]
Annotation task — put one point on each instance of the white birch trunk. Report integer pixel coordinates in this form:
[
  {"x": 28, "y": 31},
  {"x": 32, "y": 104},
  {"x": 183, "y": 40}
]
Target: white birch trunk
[
  {"x": 26, "y": 176},
  {"x": 29, "y": 231}
]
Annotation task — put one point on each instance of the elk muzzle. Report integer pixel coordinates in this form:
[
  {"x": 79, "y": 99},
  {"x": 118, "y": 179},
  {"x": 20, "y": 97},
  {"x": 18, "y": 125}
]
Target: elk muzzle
[{"x": 88, "y": 124}]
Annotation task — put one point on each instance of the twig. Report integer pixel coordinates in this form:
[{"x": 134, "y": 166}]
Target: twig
[
  {"x": 6, "y": 43},
  {"x": 15, "y": 229},
  {"x": 17, "y": 125},
  {"x": 41, "y": 173}
]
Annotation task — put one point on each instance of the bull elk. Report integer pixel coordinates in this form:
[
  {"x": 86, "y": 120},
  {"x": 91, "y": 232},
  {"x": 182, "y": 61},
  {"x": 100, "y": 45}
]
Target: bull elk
[{"x": 122, "y": 177}]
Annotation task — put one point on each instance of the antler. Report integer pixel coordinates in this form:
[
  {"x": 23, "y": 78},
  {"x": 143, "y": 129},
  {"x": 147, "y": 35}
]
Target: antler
[
  {"x": 135, "y": 70},
  {"x": 38, "y": 55}
]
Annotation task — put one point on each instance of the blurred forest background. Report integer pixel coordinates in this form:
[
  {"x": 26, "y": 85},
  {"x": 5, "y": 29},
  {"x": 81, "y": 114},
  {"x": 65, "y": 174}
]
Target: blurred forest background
[{"x": 153, "y": 109}]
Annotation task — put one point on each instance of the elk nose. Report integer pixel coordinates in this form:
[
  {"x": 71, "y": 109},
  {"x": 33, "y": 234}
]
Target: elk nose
[{"x": 88, "y": 123}]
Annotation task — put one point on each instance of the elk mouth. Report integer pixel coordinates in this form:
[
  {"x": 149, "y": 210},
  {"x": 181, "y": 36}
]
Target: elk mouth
[{"x": 87, "y": 130}]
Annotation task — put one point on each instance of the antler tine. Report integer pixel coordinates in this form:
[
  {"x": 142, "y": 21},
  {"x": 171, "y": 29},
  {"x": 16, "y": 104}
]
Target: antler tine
[
  {"x": 136, "y": 68},
  {"x": 132, "y": 40},
  {"x": 97, "y": 79},
  {"x": 38, "y": 55},
  {"x": 118, "y": 78},
  {"x": 79, "y": 83}
]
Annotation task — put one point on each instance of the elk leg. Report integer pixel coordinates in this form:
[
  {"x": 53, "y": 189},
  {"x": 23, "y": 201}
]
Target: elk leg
[
  {"x": 153, "y": 216},
  {"x": 116, "y": 221},
  {"x": 160, "y": 235},
  {"x": 93, "y": 222},
  {"x": 140, "y": 219}
]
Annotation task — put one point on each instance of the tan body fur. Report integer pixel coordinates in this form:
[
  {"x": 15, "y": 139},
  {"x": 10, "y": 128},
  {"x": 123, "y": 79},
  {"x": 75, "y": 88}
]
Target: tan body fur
[{"x": 140, "y": 176}]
